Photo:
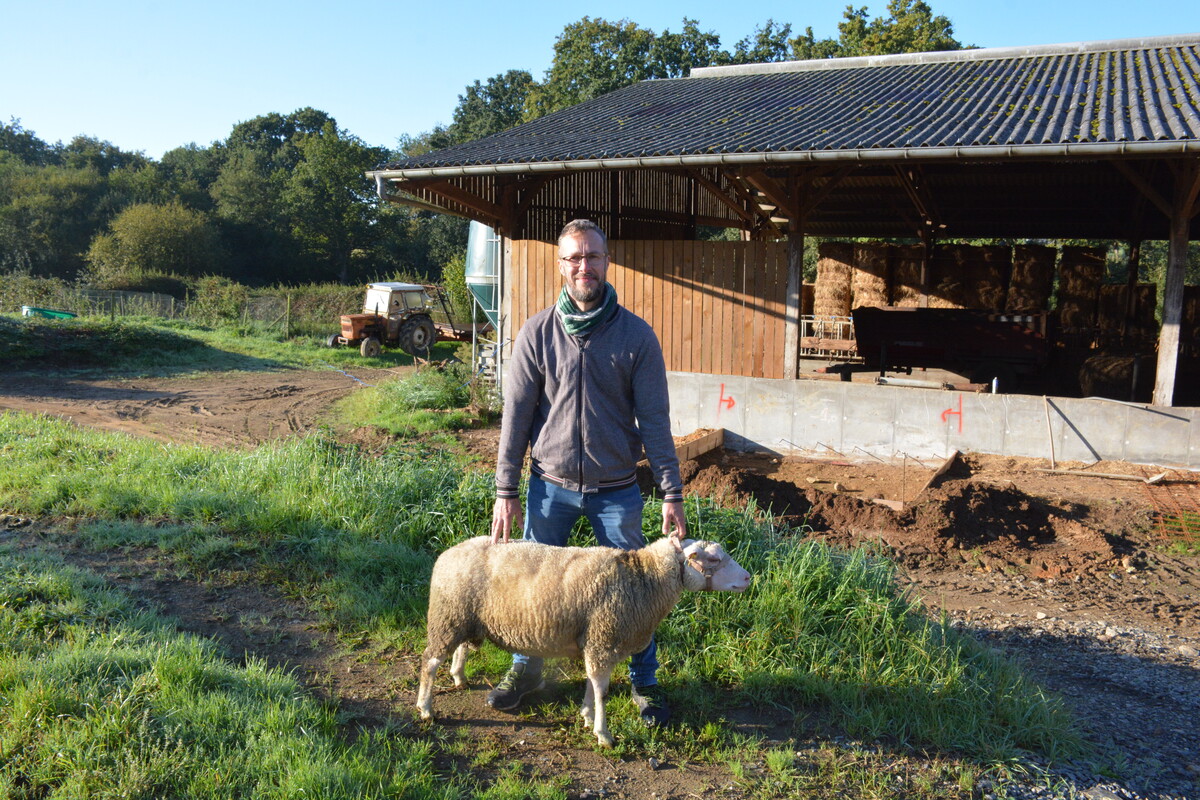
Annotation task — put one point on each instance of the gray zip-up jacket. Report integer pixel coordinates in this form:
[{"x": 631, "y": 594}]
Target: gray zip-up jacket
[{"x": 587, "y": 406}]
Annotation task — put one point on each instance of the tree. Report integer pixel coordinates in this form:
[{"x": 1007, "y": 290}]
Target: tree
[
  {"x": 147, "y": 240},
  {"x": 489, "y": 108},
  {"x": 25, "y": 145},
  {"x": 769, "y": 43},
  {"x": 594, "y": 56},
  {"x": 330, "y": 203},
  {"x": 910, "y": 27}
]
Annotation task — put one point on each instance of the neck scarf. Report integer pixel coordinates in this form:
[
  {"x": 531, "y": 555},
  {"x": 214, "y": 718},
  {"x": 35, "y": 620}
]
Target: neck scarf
[{"x": 581, "y": 323}]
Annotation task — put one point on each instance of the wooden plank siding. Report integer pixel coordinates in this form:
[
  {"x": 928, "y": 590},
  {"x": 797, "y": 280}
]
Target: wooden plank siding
[{"x": 717, "y": 307}]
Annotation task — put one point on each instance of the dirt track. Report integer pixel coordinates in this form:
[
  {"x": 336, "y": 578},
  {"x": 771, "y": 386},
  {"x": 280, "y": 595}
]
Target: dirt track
[{"x": 1066, "y": 573}]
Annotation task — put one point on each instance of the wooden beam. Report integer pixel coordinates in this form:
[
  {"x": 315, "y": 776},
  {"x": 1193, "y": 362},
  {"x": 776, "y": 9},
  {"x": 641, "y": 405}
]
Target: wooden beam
[
  {"x": 719, "y": 192},
  {"x": 483, "y": 207},
  {"x": 1144, "y": 186},
  {"x": 912, "y": 180},
  {"x": 814, "y": 199},
  {"x": 791, "y": 322},
  {"x": 1187, "y": 188},
  {"x": 775, "y": 193}
]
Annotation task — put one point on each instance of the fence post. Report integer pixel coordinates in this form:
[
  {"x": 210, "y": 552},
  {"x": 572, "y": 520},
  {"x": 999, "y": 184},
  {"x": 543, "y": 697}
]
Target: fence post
[{"x": 287, "y": 318}]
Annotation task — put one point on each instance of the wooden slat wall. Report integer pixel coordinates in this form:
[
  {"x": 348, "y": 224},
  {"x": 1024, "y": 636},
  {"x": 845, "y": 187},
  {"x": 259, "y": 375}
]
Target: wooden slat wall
[{"x": 717, "y": 307}]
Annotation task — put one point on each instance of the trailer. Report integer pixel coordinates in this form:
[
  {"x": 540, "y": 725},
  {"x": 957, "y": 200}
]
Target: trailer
[{"x": 986, "y": 347}]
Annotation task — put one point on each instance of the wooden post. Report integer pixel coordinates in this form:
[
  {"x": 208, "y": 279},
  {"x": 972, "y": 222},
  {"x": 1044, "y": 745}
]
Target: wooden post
[
  {"x": 791, "y": 321},
  {"x": 1187, "y": 183}
]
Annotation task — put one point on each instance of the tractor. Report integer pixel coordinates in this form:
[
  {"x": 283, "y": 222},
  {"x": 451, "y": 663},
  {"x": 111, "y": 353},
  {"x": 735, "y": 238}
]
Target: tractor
[{"x": 400, "y": 315}]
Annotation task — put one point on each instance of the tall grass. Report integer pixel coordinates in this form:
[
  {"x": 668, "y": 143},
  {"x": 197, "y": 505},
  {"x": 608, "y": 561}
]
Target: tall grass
[
  {"x": 819, "y": 628},
  {"x": 101, "y": 700}
]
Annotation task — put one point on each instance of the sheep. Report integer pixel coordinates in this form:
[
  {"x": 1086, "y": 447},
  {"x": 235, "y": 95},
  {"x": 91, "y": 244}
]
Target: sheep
[{"x": 598, "y": 603}]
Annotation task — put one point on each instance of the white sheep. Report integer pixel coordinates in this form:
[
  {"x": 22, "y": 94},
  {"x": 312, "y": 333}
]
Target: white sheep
[{"x": 600, "y": 603}]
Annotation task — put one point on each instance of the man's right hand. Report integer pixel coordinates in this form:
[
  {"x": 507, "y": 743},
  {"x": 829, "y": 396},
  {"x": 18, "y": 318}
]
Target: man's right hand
[{"x": 505, "y": 514}]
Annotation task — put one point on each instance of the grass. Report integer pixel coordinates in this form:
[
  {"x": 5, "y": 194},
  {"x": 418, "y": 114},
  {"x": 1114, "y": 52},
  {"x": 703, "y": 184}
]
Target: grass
[
  {"x": 822, "y": 640},
  {"x": 820, "y": 629},
  {"x": 131, "y": 346},
  {"x": 99, "y": 699}
]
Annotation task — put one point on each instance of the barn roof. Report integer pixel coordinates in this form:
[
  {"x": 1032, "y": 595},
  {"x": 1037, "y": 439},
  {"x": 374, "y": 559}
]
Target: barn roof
[
  {"x": 1069, "y": 104},
  {"x": 1094, "y": 98}
]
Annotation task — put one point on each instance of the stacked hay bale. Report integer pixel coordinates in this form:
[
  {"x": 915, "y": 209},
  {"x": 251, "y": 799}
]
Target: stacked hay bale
[
  {"x": 1032, "y": 279},
  {"x": 1080, "y": 274},
  {"x": 907, "y": 288},
  {"x": 1117, "y": 322},
  {"x": 807, "y": 294},
  {"x": 869, "y": 282},
  {"x": 835, "y": 265},
  {"x": 946, "y": 277}
]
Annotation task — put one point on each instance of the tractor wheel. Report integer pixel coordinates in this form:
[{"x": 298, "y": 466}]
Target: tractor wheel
[
  {"x": 333, "y": 340},
  {"x": 417, "y": 335},
  {"x": 370, "y": 347}
]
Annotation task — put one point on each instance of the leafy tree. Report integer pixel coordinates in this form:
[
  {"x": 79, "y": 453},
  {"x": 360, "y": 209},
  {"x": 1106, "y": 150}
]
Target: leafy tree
[
  {"x": 25, "y": 145},
  {"x": 769, "y": 43},
  {"x": 87, "y": 152},
  {"x": 489, "y": 108},
  {"x": 910, "y": 27},
  {"x": 189, "y": 173},
  {"x": 594, "y": 56},
  {"x": 330, "y": 202},
  {"x": 48, "y": 215},
  {"x": 148, "y": 240}
]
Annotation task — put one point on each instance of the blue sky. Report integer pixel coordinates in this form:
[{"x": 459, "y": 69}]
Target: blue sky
[{"x": 152, "y": 76}]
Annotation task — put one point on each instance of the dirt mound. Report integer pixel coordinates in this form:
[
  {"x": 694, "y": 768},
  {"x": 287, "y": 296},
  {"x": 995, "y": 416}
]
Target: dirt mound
[
  {"x": 734, "y": 488},
  {"x": 994, "y": 527}
]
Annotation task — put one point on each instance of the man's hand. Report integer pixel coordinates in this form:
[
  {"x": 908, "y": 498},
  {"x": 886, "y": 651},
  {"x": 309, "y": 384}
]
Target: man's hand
[
  {"x": 673, "y": 516},
  {"x": 505, "y": 514}
]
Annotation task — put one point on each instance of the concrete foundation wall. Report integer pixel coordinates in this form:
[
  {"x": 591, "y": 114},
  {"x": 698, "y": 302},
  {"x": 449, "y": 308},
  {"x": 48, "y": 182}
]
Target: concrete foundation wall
[{"x": 861, "y": 421}]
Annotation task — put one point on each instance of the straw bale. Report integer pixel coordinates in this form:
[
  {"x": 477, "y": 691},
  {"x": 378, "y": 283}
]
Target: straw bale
[
  {"x": 906, "y": 275},
  {"x": 1115, "y": 318},
  {"x": 989, "y": 266},
  {"x": 1032, "y": 279},
  {"x": 869, "y": 283},
  {"x": 947, "y": 277},
  {"x": 806, "y": 298},
  {"x": 1080, "y": 274},
  {"x": 1112, "y": 375},
  {"x": 835, "y": 264}
]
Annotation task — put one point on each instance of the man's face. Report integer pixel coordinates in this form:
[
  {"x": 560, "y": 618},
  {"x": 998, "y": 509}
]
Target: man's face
[{"x": 585, "y": 275}]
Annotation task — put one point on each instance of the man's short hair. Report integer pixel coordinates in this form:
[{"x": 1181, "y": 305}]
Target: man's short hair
[{"x": 579, "y": 226}]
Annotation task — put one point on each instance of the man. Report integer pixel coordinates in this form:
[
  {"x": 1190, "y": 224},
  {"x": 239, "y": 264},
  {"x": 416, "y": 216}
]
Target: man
[{"x": 585, "y": 391}]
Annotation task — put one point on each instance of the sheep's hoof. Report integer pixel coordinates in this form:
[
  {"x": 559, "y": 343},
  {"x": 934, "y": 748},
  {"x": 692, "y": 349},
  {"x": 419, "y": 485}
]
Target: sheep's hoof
[
  {"x": 425, "y": 715},
  {"x": 605, "y": 740}
]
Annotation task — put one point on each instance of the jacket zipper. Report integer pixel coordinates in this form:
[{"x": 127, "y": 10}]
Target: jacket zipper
[{"x": 579, "y": 383}]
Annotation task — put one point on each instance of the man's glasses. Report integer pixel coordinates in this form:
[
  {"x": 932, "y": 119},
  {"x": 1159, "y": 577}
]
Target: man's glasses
[{"x": 591, "y": 258}]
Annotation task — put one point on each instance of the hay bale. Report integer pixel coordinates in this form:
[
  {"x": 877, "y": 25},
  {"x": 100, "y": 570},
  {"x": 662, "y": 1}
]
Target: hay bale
[
  {"x": 806, "y": 298},
  {"x": 993, "y": 273},
  {"x": 869, "y": 282},
  {"x": 1032, "y": 279},
  {"x": 835, "y": 264},
  {"x": 947, "y": 277},
  {"x": 1113, "y": 375},
  {"x": 1080, "y": 275},
  {"x": 907, "y": 290}
]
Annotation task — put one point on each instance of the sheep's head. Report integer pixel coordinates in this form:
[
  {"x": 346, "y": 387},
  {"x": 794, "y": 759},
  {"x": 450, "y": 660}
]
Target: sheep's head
[{"x": 705, "y": 566}]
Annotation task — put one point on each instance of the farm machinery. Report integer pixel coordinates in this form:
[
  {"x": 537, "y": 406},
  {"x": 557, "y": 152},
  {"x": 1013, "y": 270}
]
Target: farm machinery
[{"x": 410, "y": 316}]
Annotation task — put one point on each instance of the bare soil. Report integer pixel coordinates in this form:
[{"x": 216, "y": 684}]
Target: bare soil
[{"x": 1064, "y": 567}]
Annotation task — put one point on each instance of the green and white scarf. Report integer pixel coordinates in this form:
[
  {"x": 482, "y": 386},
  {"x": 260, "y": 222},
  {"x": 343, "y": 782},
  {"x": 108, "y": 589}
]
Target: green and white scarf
[{"x": 581, "y": 323}]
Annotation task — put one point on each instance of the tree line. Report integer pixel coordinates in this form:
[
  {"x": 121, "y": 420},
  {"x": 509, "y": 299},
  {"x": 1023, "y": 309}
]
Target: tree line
[{"x": 284, "y": 200}]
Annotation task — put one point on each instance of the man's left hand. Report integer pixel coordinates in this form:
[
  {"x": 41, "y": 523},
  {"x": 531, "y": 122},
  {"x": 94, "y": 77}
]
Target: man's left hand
[{"x": 673, "y": 517}]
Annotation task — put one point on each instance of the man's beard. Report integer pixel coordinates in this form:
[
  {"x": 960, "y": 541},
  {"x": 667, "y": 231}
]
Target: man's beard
[{"x": 584, "y": 294}]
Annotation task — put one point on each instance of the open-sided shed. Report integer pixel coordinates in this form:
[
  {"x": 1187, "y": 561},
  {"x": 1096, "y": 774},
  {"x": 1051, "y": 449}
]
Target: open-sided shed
[{"x": 1086, "y": 140}]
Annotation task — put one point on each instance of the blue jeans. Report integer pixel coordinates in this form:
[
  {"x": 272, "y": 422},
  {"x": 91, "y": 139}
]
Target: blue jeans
[{"x": 616, "y": 518}]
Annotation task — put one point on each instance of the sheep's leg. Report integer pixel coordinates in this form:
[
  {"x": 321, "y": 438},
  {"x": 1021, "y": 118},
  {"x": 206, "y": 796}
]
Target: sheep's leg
[
  {"x": 598, "y": 677},
  {"x": 425, "y": 691},
  {"x": 458, "y": 666}
]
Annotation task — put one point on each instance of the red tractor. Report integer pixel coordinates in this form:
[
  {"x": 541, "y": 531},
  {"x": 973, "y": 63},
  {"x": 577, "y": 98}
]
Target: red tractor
[{"x": 400, "y": 315}]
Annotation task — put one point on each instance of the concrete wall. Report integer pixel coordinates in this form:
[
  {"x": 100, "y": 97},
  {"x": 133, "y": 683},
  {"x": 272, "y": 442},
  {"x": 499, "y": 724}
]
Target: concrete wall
[{"x": 861, "y": 421}]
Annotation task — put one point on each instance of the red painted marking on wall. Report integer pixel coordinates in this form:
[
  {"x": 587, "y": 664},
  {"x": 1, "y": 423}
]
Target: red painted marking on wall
[
  {"x": 724, "y": 400},
  {"x": 950, "y": 412}
]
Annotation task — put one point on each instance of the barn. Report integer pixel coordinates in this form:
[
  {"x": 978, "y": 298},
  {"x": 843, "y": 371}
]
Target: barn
[{"x": 1020, "y": 146}]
